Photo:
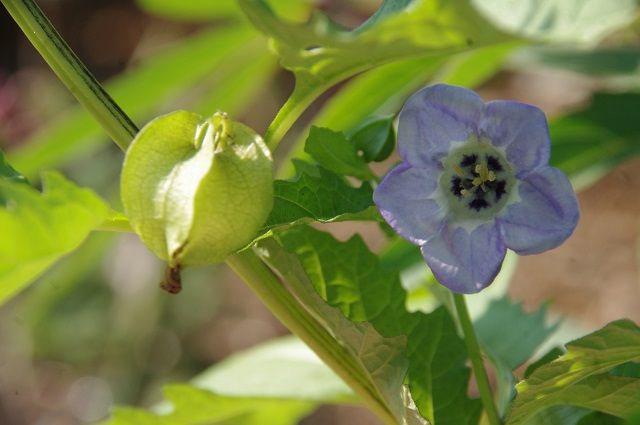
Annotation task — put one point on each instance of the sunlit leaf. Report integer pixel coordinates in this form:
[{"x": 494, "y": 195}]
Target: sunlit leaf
[
  {"x": 284, "y": 368},
  {"x": 321, "y": 54},
  {"x": 513, "y": 344},
  {"x": 201, "y": 10},
  {"x": 382, "y": 91},
  {"x": 193, "y": 406},
  {"x": 350, "y": 278},
  {"x": 588, "y": 143},
  {"x": 7, "y": 172},
  {"x": 198, "y": 10},
  {"x": 560, "y": 21},
  {"x": 603, "y": 61},
  {"x": 580, "y": 377},
  {"x": 386, "y": 9},
  {"x": 140, "y": 92},
  {"x": 380, "y": 360},
  {"x": 509, "y": 346},
  {"x": 38, "y": 228}
]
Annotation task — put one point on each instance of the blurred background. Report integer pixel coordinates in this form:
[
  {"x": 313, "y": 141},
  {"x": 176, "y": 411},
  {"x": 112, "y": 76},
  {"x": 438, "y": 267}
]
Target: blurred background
[{"x": 96, "y": 330}]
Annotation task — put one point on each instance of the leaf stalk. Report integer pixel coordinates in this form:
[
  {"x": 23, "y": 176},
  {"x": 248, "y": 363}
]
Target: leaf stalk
[
  {"x": 288, "y": 310},
  {"x": 71, "y": 71},
  {"x": 477, "y": 363}
]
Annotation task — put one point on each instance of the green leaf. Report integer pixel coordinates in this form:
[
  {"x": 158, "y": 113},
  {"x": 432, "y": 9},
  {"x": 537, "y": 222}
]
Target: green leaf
[
  {"x": 509, "y": 346},
  {"x": 588, "y": 143},
  {"x": 599, "y": 418},
  {"x": 382, "y": 91},
  {"x": 375, "y": 139},
  {"x": 193, "y": 406},
  {"x": 334, "y": 152},
  {"x": 140, "y": 92},
  {"x": 7, "y": 172},
  {"x": 320, "y": 54},
  {"x": 560, "y": 21},
  {"x": 515, "y": 343},
  {"x": 379, "y": 360},
  {"x": 279, "y": 369},
  {"x": 234, "y": 83},
  {"x": 199, "y": 10},
  {"x": 386, "y": 9},
  {"x": 39, "y": 228},
  {"x": 317, "y": 194},
  {"x": 612, "y": 61},
  {"x": 205, "y": 10},
  {"x": 271, "y": 378},
  {"x": 580, "y": 377},
  {"x": 548, "y": 357},
  {"x": 350, "y": 278}
]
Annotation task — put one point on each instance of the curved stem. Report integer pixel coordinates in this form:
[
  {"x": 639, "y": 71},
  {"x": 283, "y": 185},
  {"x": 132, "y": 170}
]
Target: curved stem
[
  {"x": 295, "y": 105},
  {"x": 254, "y": 272},
  {"x": 287, "y": 309},
  {"x": 72, "y": 71},
  {"x": 476, "y": 359}
]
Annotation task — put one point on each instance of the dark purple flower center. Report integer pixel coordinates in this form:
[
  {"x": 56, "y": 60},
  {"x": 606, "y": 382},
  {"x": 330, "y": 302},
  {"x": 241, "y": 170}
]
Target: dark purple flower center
[{"x": 477, "y": 179}]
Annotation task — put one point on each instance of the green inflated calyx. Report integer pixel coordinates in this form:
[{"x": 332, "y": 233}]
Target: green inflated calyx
[{"x": 196, "y": 189}]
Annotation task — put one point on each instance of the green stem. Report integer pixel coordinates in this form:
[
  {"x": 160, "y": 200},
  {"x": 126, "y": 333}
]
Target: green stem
[
  {"x": 71, "y": 71},
  {"x": 295, "y": 105},
  {"x": 254, "y": 272},
  {"x": 287, "y": 309},
  {"x": 476, "y": 359}
]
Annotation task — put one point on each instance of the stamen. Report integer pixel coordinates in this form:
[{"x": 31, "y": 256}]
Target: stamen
[
  {"x": 458, "y": 171},
  {"x": 484, "y": 176},
  {"x": 478, "y": 181}
]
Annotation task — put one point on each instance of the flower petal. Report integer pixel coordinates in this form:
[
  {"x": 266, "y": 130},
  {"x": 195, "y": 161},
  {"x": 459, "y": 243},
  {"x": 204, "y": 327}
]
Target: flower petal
[
  {"x": 404, "y": 198},
  {"x": 521, "y": 129},
  {"x": 433, "y": 118},
  {"x": 465, "y": 262},
  {"x": 545, "y": 216}
]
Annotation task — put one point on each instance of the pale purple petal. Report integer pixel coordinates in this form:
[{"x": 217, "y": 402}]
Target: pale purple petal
[
  {"x": 545, "y": 216},
  {"x": 522, "y": 130},
  {"x": 465, "y": 262},
  {"x": 403, "y": 199},
  {"x": 433, "y": 118}
]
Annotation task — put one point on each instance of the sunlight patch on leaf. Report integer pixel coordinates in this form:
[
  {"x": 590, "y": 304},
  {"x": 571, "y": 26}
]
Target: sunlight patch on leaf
[
  {"x": 193, "y": 406},
  {"x": 581, "y": 376},
  {"x": 39, "y": 228},
  {"x": 353, "y": 282},
  {"x": 560, "y": 21},
  {"x": 321, "y": 54},
  {"x": 282, "y": 368}
]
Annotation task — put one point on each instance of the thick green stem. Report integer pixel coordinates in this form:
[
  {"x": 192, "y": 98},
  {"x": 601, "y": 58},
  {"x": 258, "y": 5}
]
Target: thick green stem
[
  {"x": 253, "y": 271},
  {"x": 476, "y": 359},
  {"x": 71, "y": 71},
  {"x": 287, "y": 309}
]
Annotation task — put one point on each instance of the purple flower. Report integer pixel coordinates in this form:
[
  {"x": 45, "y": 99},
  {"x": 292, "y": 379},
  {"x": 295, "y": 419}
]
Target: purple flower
[{"x": 474, "y": 180}]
